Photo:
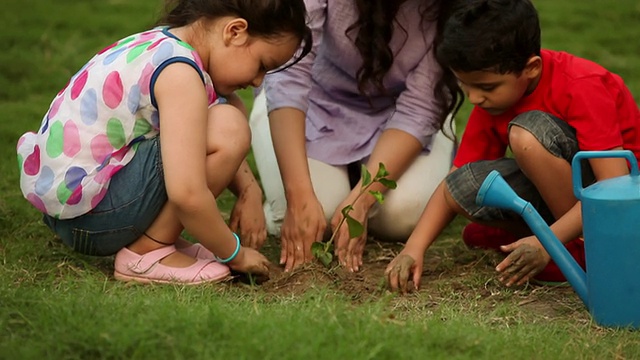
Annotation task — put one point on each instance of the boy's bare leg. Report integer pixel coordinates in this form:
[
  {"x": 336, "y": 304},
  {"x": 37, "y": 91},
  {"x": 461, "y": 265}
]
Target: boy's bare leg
[{"x": 551, "y": 175}]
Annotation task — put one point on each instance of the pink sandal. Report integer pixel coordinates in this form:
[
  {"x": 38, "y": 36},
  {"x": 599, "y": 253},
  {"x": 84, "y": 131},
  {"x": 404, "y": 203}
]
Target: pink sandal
[
  {"x": 197, "y": 251},
  {"x": 146, "y": 268}
]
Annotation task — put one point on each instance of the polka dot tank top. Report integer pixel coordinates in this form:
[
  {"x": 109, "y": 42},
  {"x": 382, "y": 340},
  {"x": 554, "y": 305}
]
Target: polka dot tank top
[{"x": 94, "y": 124}]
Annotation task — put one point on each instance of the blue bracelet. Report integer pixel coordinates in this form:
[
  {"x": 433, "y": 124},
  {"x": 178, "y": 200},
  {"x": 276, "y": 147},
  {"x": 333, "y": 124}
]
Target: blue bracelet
[{"x": 222, "y": 261}]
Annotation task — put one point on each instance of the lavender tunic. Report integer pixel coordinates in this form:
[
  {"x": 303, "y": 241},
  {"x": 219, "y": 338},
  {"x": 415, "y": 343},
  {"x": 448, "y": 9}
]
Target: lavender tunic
[{"x": 341, "y": 126}]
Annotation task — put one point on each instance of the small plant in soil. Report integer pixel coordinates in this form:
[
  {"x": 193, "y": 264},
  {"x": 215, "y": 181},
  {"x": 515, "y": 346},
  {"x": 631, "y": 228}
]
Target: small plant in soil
[{"x": 323, "y": 251}]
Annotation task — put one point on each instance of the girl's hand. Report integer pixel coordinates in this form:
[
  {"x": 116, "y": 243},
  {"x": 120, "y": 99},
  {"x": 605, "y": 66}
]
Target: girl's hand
[
  {"x": 247, "y": 218},
  {"x": 526, "y": 259},
  {"x": 406, "y": 266},
  {"x": 250, "y": 261},
  {"x": 304, "y": 223},
  {"x": 350, "y": 250}
]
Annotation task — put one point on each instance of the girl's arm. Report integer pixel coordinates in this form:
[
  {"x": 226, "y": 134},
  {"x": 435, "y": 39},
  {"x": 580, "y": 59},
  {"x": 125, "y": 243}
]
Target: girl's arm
[
  {"x": 183, "y": 108},
  {"x": 247, "y": 216}
]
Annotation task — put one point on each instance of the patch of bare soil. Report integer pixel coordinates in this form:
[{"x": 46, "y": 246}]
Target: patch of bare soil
[{"x": 453, "y": 275}]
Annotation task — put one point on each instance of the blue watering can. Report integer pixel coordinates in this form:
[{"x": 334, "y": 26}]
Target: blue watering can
[{"x": 611, "y": 227}]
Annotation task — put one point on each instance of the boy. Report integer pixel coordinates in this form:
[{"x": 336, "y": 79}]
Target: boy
[{"x": 545, "y": 106}]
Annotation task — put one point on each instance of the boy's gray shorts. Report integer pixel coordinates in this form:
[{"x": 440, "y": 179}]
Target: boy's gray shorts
[{"x": 554, "y": 134}]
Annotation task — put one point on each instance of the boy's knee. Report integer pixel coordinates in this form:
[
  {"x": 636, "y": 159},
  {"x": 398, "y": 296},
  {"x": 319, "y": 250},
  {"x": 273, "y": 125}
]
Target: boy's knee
[
  {"x": 460, "y": 188},
  {"x": 535, "y": 128},
  {"x": 525, "y": 126},
  {"x": 521, "y": 138}
]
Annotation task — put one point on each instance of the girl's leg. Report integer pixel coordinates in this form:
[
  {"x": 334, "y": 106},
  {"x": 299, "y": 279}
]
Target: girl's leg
[
  {"x": 395, "y": 219},
  {"x": 227, "y": 146}
]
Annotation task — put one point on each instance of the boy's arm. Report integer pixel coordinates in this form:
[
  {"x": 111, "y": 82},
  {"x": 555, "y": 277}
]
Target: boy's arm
[
  {"x": 407, "y": 265},
  {"x": 569, "y": 226},
  {"x": 566, "y": 229}
]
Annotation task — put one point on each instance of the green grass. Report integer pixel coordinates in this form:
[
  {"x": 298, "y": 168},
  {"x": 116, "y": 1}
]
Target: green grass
[{"x": 55, "y": 304}]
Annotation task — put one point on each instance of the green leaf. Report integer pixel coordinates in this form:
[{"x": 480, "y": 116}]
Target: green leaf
[
  {"x": 365, "y": 176},
  {"x": 388, "y": 183},
  {"x": 355, "y": 227},
  {"x": 378, "y": 195},
  {"x": 346, "y": 210},
  {"x": 317, "y": 249},
  {"x": 382, "y": 171},
  {"x": 326, "y": 259}
]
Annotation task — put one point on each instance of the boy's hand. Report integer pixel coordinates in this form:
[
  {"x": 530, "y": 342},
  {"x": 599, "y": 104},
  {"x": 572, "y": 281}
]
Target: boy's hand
[
  {"x": 405, "y": 266},
  {"x": 250, "y": 261},
  {"x": 526, "y": 259}
]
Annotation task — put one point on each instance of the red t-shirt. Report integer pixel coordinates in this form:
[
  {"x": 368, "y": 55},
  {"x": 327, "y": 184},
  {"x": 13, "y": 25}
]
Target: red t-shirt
[{"x": 589, "y": 98}]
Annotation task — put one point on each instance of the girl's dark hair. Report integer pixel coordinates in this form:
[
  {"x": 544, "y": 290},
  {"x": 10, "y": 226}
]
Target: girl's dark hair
[
  {"x": 265, "y": 18},
  {"x": 496, "y": 35},
  {"x": 375, "y": 26}
]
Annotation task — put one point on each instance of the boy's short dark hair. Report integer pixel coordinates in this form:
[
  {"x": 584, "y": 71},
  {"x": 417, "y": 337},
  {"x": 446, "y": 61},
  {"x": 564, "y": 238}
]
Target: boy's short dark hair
[{"x": 496, "y": 35}]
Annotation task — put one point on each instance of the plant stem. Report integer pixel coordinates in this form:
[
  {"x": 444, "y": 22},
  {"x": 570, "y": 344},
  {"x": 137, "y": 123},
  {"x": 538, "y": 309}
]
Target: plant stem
[{"x": 344, "y": 218}]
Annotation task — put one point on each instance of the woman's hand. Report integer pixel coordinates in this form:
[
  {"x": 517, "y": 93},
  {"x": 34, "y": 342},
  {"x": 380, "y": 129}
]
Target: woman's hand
[
  {"x": 304, "y": 223},
  {"x": 350, "y": 250},
  {"x": 247, "y": 217},
  {"x": 406, "y": 266},
  {"x": 526, "y": 259}
]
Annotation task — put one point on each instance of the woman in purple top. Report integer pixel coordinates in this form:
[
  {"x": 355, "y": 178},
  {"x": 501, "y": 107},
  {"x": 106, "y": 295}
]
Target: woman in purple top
[{"x": 369, "y": 92}]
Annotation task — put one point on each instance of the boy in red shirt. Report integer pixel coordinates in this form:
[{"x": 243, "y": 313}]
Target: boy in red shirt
[{"x": 543, "y": 105}]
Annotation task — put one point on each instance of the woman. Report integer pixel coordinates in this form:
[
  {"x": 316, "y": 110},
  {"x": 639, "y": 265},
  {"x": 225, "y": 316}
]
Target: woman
[{"x": 370, "y": 92}]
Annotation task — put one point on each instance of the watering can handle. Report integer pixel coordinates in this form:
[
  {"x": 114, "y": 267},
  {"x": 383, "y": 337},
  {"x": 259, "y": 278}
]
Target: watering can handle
[{"x": 577, "y": 168}]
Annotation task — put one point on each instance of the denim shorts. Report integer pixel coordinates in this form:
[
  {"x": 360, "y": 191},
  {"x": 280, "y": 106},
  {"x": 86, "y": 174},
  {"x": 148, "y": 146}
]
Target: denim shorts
[
  {"x": 554, "y": 134},
  {"x": 135, "y": 196}
]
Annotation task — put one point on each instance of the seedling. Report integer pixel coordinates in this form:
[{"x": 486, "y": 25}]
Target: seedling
[{"x": 323, "y": 251}]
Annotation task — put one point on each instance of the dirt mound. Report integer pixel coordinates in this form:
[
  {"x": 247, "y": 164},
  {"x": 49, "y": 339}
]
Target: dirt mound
[{"x": 452, "y": 274}]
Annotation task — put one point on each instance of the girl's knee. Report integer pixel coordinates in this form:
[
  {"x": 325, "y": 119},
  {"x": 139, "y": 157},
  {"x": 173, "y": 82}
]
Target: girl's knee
[{"x": 228, "y": 130}]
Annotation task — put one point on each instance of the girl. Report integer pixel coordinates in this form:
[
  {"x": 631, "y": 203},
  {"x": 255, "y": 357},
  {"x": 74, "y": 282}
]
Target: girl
[
  {"x": 138, "y": 144},
  {"x": 369, "y": 94}
]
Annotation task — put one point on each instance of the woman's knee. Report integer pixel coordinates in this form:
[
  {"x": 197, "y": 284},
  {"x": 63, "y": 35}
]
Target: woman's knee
[
  {"x": 228, "y": 131},
  {"x": 395, "y": 219}
]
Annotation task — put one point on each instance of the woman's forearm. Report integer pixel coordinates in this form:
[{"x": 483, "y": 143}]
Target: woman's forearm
[{"x": 287, "y": 133}]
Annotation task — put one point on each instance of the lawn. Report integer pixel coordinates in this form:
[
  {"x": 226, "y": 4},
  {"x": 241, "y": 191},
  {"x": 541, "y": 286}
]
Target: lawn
[{"x": 56, "y": 304}]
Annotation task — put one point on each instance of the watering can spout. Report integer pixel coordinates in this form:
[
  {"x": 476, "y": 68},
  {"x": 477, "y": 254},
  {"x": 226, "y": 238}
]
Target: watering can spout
[{"x": 495, "y": 192}]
